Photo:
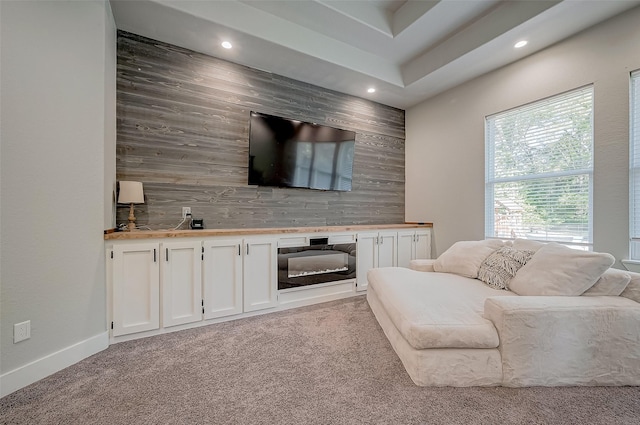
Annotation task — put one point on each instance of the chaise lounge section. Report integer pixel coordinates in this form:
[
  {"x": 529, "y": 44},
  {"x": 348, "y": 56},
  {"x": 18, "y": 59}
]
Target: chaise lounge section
[{"x": 450, "y": 328}]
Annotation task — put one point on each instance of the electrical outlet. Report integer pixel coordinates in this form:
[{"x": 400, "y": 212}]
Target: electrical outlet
[
  {"x": 21, "y": 331},
  {"x": 186, "y": 211}
]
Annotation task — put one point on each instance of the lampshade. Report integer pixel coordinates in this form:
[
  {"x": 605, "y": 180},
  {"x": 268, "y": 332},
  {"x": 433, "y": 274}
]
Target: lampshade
[{"x": 131, "y": 193}]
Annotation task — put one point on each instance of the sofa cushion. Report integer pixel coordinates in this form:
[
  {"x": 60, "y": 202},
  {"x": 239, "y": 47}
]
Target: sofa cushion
[
  {"x": 436, "y": 310},
  {"x": 464, "y": 257},
  {"x": 612, "y": 282},
  {"x": 559, "y": 270},
  {"x": 422, "y": 265},
  {"x": 551, "y": 341},
  {"x": 632, "y": 291},
  {"x": 499, "y": 267}
]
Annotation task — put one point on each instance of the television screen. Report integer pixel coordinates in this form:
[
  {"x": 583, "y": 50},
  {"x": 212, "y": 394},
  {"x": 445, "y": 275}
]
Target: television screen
[{"x": 290, "y": 153}]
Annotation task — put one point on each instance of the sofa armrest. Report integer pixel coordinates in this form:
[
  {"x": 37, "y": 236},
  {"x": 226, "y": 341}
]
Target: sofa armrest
[
  {"x": 557, "y": 340},
  {"x": 422, "y": 265}
]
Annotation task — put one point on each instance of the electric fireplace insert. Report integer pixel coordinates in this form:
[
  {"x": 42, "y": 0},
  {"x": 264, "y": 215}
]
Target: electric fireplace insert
[{"x": 320, "y": 262}]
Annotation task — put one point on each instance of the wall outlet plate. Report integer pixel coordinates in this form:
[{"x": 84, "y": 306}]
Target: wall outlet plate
[
  {"x": 21, "y": 331},
  {"x": 185, "y": 211}
]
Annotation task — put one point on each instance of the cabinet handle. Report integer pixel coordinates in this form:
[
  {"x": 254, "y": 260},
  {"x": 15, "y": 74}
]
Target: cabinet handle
[
  {"x": 154, "y": 255},
  {"x": 239, "y": 253},
  {"x": 166, "y": 254},
  {"x": 247, "y": 249}
]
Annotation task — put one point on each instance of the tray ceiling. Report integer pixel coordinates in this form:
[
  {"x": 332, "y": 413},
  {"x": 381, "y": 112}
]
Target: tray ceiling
[{"x": 408, "y": 50}]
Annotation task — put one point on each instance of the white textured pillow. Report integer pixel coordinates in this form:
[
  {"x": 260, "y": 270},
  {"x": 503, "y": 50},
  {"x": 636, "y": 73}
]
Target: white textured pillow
[
  {"x": 422, "y": 265},
  {"x": 527, "y": 245},
  {"x": 612, "y": 282},
  {"x": 464, "y": 257},
  {"x": 558, "y": 270},
  {"x": 498, "y": 268},
  {"x": 632, "y": 291}
]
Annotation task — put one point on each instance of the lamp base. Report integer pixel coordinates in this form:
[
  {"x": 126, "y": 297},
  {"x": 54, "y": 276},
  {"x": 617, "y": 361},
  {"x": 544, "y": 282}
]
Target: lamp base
[{"x": 132, "y": 220}]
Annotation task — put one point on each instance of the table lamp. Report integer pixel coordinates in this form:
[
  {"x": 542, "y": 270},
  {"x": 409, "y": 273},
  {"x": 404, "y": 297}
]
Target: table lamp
[{"x": 131, "y": 193}]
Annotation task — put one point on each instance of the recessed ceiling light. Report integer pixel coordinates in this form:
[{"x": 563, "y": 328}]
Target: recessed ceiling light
[
  {"x": 226, "y": 45},
  {"x": 371, "y": 90},
  {"x": 520, "y": 44}
]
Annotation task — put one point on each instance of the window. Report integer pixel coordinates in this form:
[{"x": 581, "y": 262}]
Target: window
[
  {"x": 634, "y": 173},
  {"x": 539, "y": 168}
]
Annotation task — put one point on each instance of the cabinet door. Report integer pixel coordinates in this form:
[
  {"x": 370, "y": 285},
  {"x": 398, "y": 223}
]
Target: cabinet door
[
  {"x": 181, "y": 275},
  {"x": 136, "y": 288},
  {"x": 366, "y": 258},
  {"x": 423, "y": 244},
  {"x": 260, "y": 274},
  {"x": 222, "y": 279},
  {"x": 406, "y": 247},
  {"x": 387, "y": 249}
]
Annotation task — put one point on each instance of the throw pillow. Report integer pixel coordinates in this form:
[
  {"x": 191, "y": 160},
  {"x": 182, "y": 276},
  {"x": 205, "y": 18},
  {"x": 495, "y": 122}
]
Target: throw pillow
[
  {"x": 464, "y": 257},
  {"x": 559, "y": 270},
  {"x": 528, "y": 245},
  {"x": 499, "y": 268},
  {"x": 612, "y": 282},
  {"x": 422, "y": 265},
  {"x": 632, "y": 291}
]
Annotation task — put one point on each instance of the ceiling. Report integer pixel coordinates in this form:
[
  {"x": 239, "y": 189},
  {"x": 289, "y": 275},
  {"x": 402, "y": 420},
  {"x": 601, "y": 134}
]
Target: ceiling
[{"x": 408, "y": 50}]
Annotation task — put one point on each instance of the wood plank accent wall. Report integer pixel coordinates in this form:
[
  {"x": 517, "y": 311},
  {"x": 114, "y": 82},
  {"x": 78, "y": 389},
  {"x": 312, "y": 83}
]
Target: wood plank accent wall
[{"x": 183, "y": 130}]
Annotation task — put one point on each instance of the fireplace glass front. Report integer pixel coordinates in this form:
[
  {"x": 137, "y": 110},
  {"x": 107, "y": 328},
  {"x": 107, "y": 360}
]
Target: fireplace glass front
[{"x": 315, "y": 264}]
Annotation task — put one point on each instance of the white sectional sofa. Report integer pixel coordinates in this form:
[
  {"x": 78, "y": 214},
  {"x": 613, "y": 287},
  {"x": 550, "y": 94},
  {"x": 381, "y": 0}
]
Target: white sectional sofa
[{"x": 578, "y": 324}]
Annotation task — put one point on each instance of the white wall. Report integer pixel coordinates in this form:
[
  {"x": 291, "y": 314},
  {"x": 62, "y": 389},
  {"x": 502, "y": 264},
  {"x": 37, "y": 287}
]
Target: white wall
[
  {"x": 445, "y": 135},
  {"x": 110, "y": 120},
  {"x": 57, "y": 110}
]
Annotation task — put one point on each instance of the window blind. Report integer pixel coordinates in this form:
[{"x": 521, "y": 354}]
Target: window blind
[
  {"x": 634, "y": 159},
  {"x": 539, "y": 168}
]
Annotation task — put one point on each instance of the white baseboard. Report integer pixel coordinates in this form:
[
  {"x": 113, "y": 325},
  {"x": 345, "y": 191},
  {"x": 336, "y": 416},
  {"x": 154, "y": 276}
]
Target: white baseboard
[{"x": 41, "y": 368}]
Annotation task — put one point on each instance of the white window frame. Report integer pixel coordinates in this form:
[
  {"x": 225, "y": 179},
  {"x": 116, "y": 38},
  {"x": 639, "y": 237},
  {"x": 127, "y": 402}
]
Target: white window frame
[
  {"x": 491, "y": 180},
  {"x": 634, "y": 164}
]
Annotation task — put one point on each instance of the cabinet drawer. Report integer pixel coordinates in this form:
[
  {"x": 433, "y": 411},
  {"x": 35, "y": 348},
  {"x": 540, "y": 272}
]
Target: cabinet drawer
[
  {"x": 345, "y": 238},
  {"x": 293, "y": 241}
]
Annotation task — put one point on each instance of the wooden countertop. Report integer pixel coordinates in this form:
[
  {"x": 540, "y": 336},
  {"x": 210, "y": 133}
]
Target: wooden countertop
[{"x": 150, "y": 234}]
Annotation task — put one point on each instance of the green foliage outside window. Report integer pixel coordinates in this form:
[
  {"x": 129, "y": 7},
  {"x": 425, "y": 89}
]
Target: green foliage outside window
[{"x": 540, "y": 167}]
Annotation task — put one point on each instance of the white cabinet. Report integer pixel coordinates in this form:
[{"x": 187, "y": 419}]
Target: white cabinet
[
  {"x": 158, "y": 285},
  {"x": 413, "y": 244},
  {"x": 260, "y": 273},
  {"x": 167, "y": 284},
  {"x": 366, "y": 258},
  {"x": 181, "y": 276},
  {"x": 141, "y": 272},
  {"x": 422, "y": 244},
  {"x": 375, "y": 249},
  {"x": 136, "y": 288},
  {"x": 222, "y": 277},
  {"x": 239, "y": 276},
  {"x": 387, "y": 249}
]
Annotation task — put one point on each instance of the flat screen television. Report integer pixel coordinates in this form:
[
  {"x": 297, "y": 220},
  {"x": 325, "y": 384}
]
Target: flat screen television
[{"x": 291, "y": 153}]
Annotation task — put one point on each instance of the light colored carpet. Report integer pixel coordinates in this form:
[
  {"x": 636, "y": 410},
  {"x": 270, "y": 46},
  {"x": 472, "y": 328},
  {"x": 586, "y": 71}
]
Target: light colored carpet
[{"x": 324, "y": 364}]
